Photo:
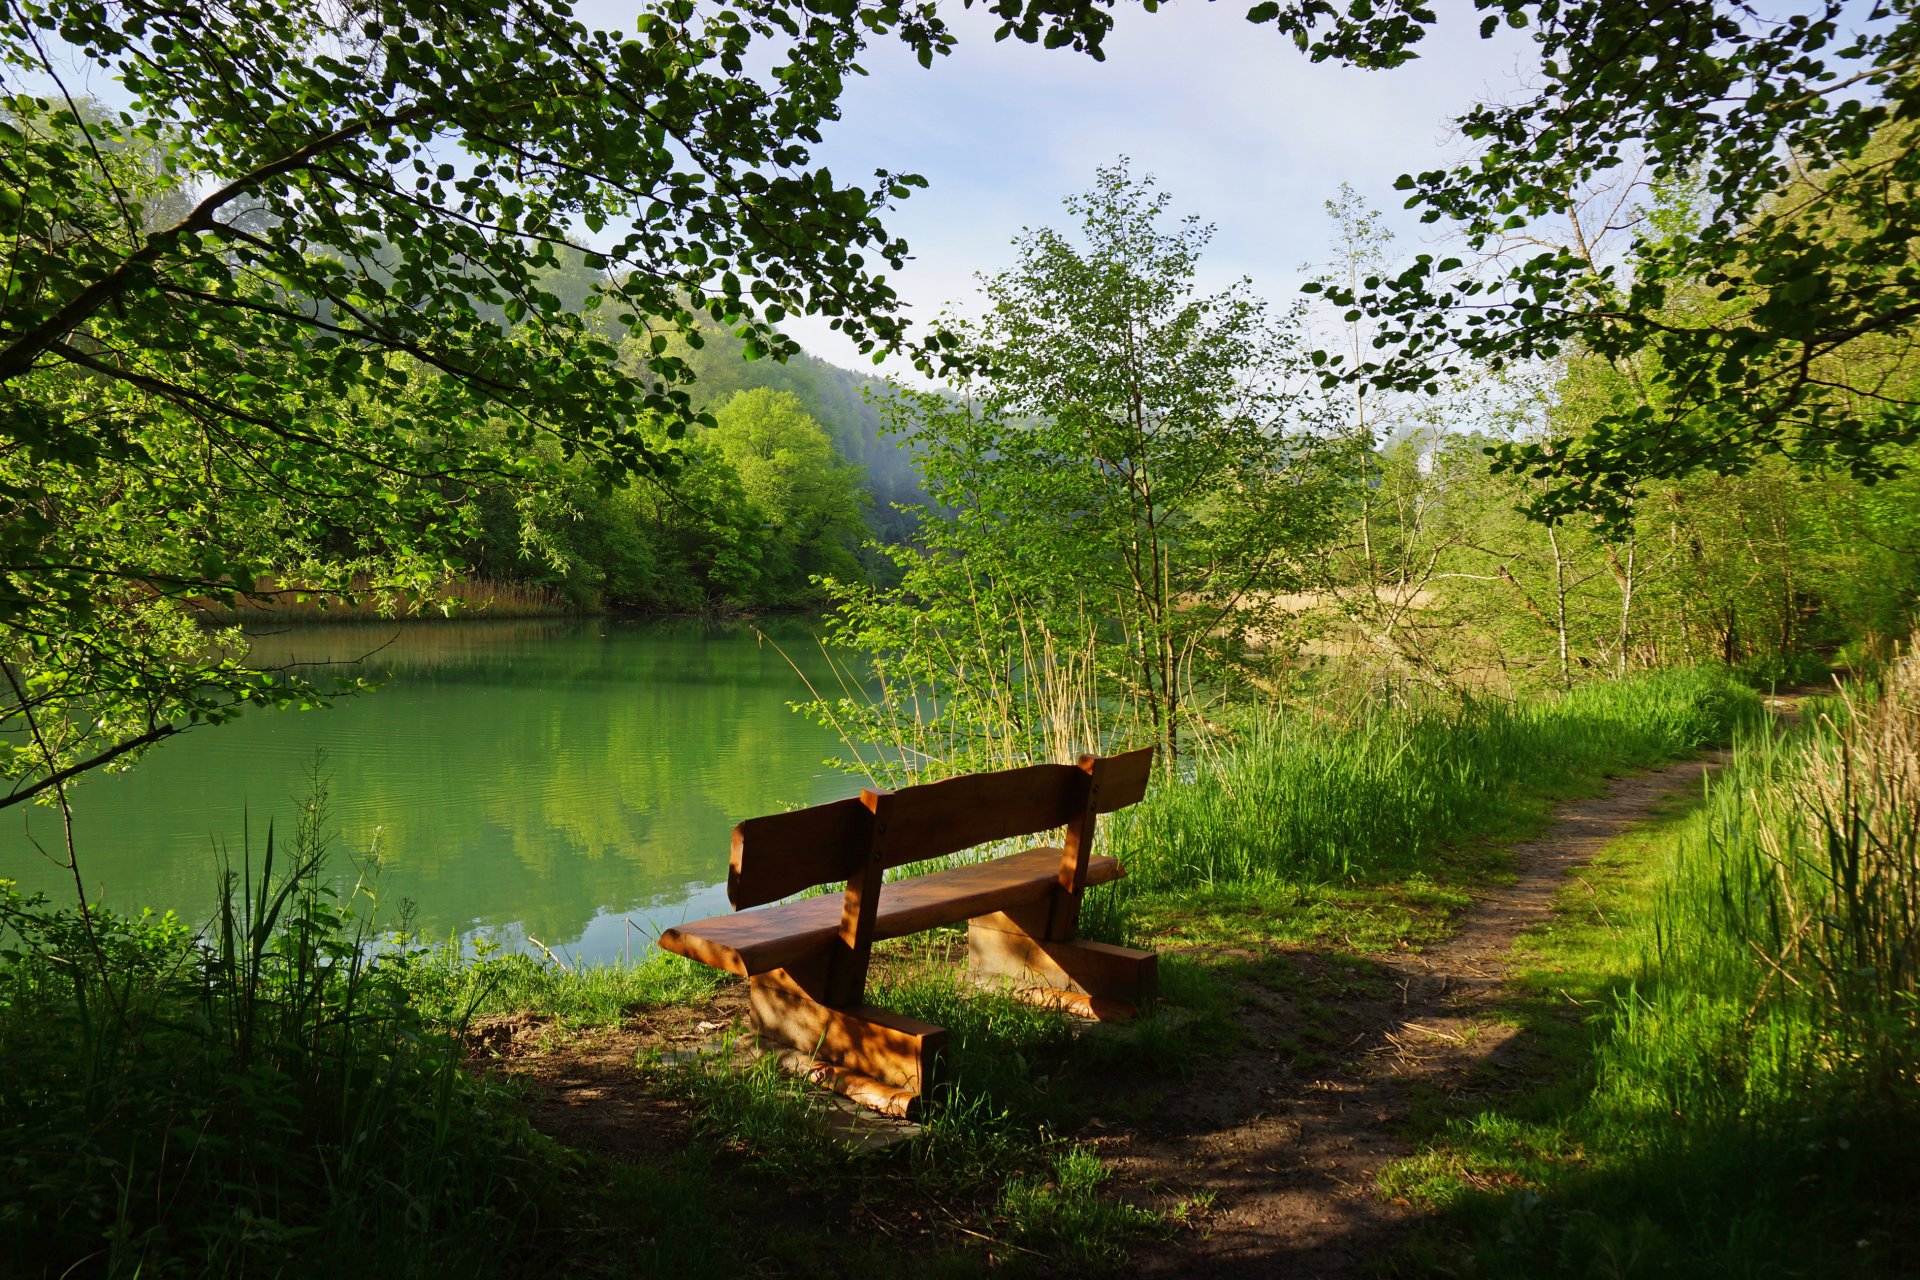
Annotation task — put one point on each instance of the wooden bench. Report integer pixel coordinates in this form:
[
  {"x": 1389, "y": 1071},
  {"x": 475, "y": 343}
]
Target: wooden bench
[{"x": 806, "y": 962}]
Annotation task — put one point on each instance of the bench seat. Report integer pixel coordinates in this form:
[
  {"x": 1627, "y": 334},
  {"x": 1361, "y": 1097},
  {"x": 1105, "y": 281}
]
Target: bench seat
[{"x": 763, "y": 939}]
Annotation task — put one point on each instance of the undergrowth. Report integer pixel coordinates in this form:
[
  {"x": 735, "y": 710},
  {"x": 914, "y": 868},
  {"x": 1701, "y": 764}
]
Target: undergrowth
[{"x": 259, "y": 1097}]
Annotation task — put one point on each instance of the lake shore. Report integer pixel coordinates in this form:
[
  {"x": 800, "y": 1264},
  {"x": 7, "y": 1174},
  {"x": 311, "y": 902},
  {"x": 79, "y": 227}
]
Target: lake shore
[{"x": 457, "y": 600}]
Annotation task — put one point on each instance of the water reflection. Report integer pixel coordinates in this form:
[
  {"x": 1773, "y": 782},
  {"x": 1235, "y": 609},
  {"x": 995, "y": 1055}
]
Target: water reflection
[{"x": 517, "y": 777}]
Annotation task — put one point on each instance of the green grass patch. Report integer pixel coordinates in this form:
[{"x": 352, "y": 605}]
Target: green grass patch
[
  {"x": 451, "y": 984},
  {"x": 1303, "y": 800},
  {"x": 1064, "y": 1214}
]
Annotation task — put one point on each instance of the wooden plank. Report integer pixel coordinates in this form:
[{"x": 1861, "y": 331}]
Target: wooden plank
[
  {"x": 1114, "y": 782},
  {"x": 1077, "y": 1004},
  {"x": 867, "y": 1041},
  {"x": 785, "y": 853},
  {"x": 852, "y": 948},
  {"x": 1075, "y": 850},
  {"x": 1030, "y": 918},
  {"x": 1119, "y": 781},
  {"x": 1116, "y": 975},
  {"x": 937, "y": 818},
  {"x": 766, "y": 938},
  {"x": 782, "y": 854}
]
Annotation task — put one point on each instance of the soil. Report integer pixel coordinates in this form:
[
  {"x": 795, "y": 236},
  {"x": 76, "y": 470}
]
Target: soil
[
  {"x": 1279, "y": 1147},
  {"x": 581, "y": 1086}
]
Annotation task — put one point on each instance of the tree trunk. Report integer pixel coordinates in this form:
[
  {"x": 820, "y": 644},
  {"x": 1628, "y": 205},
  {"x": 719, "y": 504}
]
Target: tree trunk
[{"x": 1560, "y": 607}]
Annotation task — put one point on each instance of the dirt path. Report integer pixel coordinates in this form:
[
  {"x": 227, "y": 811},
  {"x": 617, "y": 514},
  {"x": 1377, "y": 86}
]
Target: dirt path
[{"x": 1290, "y": 1155}]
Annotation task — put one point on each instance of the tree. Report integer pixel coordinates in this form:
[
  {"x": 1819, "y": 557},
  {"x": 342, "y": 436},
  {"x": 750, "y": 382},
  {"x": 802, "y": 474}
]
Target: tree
[
  {"x": 788, "y": 470},
  {"x": 1796, "y": 137},
  {"x": 252, "y": 323},
  {"x": 1120, "y": 475}
]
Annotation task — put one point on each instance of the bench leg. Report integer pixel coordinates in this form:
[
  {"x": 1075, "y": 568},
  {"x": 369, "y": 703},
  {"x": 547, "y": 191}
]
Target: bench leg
[
  {"x": 1091, "y": 979},
  {"x": 875, "y": 1057}
]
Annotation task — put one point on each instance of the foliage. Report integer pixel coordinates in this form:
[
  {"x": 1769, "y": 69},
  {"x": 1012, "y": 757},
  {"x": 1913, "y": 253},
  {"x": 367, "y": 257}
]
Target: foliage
[
  {"x": 1440, "y": 579},
  {"x": 788, "y": 470},
  {"x": 1773, "y": 308},
  {"x": 841, "y": 400},
  {"x": 1120, "y": 482},
  {"x": 748, "y": 512},
  {"x": 256, "y": 320}
]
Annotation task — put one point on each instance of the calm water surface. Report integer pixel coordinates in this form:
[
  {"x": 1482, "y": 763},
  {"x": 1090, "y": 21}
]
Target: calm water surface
[{"x": 572, "y": 782}]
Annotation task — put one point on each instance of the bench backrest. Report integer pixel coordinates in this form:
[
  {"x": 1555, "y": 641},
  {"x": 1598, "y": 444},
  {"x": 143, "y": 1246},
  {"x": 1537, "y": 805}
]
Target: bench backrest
[{"x": 784, "y": 853}]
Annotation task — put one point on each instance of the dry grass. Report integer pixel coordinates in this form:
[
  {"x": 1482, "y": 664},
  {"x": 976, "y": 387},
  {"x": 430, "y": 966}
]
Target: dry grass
[
  {"x": 273, "y": 601},
  {"x": 1844, "y": 857}
]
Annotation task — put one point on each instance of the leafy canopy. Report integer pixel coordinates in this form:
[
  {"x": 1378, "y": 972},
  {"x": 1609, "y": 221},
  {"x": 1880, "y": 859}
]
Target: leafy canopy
[
  {"x": 1766, "y": 316},
  {"x": 290, "y": 312},
  {"x": 1794, "y": 132}
]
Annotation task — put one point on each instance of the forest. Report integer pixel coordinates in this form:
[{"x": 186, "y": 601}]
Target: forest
[{"x": 1521, "y": 617}]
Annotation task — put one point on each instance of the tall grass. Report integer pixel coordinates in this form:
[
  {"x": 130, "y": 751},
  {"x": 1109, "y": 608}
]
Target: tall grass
[
  {"x": 261, "y": 1098},
  {"x": 1297, "y": 797},
  {"x": 1827, "y": 889},
  {"x": 1745, "y": 1099},
  {"x": 1794, "y": 908}
]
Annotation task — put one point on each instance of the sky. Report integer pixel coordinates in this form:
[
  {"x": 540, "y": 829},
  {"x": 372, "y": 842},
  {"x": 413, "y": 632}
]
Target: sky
[{"x": 1230, "y": 119}]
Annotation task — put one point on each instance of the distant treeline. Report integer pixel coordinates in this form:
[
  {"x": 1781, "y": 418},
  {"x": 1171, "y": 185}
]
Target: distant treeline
[{"x": 794, "y": 482}]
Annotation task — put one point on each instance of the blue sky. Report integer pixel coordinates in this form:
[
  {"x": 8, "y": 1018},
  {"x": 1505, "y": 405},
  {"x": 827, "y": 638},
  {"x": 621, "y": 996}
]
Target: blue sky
[{"x": 1233, "y": 122}]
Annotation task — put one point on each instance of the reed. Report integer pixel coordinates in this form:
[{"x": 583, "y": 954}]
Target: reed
[{"x": 272, "y": 601}]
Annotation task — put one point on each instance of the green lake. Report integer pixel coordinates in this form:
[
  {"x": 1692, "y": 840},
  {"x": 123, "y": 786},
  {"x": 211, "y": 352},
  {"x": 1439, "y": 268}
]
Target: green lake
[{"x": 574, "y": 782}]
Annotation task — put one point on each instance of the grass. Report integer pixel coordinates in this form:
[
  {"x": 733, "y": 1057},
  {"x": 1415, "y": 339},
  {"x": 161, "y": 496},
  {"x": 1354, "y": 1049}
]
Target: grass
[
  {"x": 449, "y": 983},
  {"x": 1726, "y": 1063},
  {"x": 1367, "y": 835},
  {"x": 1305, "y": 800},
  {"x": 259, "y": 1098},
  {"x": 347, "y": 1129}
]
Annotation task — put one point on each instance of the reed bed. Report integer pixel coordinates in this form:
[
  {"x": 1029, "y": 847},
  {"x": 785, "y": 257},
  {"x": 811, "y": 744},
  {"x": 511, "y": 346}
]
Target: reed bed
[{"x": 274, "y": 602}]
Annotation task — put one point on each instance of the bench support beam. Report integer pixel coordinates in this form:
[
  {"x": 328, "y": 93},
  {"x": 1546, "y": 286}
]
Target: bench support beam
[
  {"x": 876, "y": 1057},
  {"x": 1092, "y": 979}
]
